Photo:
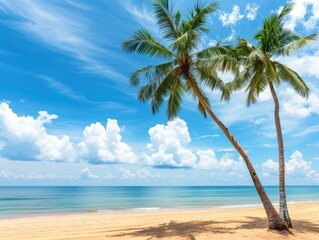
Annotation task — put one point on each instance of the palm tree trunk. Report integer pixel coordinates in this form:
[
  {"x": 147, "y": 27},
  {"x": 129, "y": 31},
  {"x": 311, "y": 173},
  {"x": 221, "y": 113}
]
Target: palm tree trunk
[
  {"x": 283, "y": 209},
  {"x": 274, "y": 221}
]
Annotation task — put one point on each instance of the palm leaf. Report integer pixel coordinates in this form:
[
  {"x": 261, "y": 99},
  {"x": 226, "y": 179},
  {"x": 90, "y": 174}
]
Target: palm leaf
[
  {"x": 198, "y": 16},
  {"x": 175, "y": 98},
  {"x": 150, "y": 72},
  {"x": 291, "y": 77},
  {"x": 167, "y": 21},
  {"x": 143, "y": 42},
  {"x": 296, "y": 43}
]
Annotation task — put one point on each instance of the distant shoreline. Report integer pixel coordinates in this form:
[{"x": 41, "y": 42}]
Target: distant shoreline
[{"x": 145, "y": 210}]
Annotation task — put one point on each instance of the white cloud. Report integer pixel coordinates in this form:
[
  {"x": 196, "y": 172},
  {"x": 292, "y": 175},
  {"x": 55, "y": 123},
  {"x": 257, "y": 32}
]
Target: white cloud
[
  {"x": 29, "y": 139},
  {"x": 32, "y": 176},
  {"x": 270, "y": 167},
  {"x": 61, "y": 88},
  {"x": 142, "y": 16},
  {"x": 26, "y": 138},
  {"x": 305, "y": 12},
  {"x": 105, "y": 145},
  {"x": 305, "y": 65},
  {"x": 230, "y": 38},
  {"x": 294, "y": 109},
  {"x": 142, "y": 173},
  {"x": 297, "y": 106},
  {"x": 208, "y": 160},
  {"x": 266, "y": 145},
  {"x": 167, "y": 147},
  {"x": 296, "y": 166},
  {"x": 251, "y": 11},
  {"x": 231, "y": 18},
  {"x": 209, "y": 136},
  {"x": 226, "y": 150},
  {"x": 307, "y": 130},
  {"x": 127, "y": 174},
  {"x": 87, "y": 175},
  {"x": 62, "y": 28}
]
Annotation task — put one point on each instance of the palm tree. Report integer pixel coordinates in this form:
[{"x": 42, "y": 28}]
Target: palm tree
[
  {"x": 261, "y": 69},
  {"x": 184, "y": 72}
]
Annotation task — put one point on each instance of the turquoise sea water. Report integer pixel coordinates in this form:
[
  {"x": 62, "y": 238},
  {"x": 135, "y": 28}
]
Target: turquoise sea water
[{"x": 21, "y": 201}]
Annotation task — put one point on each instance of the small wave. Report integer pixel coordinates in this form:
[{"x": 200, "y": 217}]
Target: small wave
[
  {"x": 302, "y": 202},
  {"x": 132, "y": 210}
]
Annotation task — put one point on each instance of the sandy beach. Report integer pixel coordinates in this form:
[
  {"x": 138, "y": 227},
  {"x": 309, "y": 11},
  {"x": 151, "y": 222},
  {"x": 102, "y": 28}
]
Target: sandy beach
[{"x": 244, "y": 223}]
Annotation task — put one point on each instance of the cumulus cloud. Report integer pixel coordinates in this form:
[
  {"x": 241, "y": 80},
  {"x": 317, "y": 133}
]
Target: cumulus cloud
[
  {"x": 26, "y": 138},
  {"x": 87, "y": 175},
  {"x": 231, "y": 18},
  {"x": 251, "y": 11},
  {"x": 297, "y": 106},
  {"x": 305, "y": 65},
  {"x": 296, "y": 166},
  {"x": 146, "y": 173},
  {"x": 208, "y": 160},
  {"x": 294, "y": 110},
  {"x": 304, "y": 12},
  {"x": 167, "y": 147},
  {"x": 127, "y": 174},
  {"x": 105, "y": 145},
  {"x": 142, "y": 173}
]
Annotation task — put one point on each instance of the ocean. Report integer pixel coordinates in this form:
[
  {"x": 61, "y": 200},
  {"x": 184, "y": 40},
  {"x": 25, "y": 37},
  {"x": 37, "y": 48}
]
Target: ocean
[{"x": 28, "y": 201}]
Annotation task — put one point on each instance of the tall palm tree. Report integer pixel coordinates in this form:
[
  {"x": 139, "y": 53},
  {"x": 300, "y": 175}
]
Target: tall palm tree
[
  {"x": 184, "y": 72},
  {"x": 261, "y": 69}
]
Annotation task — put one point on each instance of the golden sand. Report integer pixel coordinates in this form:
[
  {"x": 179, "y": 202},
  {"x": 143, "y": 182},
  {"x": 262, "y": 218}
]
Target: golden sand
[{"x": 244, "y": 223}]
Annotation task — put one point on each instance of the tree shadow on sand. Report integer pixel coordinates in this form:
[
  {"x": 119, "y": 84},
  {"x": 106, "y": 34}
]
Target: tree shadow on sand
[{"x": 189, "y": 230}]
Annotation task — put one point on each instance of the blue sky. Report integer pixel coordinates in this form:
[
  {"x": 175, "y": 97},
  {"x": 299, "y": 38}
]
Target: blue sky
[{"x": 69, "y": 117}]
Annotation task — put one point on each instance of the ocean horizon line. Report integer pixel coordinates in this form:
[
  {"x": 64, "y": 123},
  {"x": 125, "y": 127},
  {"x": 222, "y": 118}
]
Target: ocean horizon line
[{"x": 287, "y": 185}]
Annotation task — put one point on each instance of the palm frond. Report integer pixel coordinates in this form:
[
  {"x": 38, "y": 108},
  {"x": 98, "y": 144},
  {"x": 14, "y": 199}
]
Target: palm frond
[
  {"x": 221, "y": 47},
  {"x": 296, "y": 43},
  {"x": 257, "y": 84},
  {"x": 175, "y": 98},
  {"x": 210, "y": 78},
  {"x": 187, "y": 41},
  {"x": 198, "y": 16},
  {"x": 151, "y": 73},
  {"x": 191, "y": 30},
  {"x": 269, "y": 36},
  {"x": 285, "y": 11},
  {"x": 291, "y": 77},
  {"x": 143, "y": 42},
  {"x": 156, "y": 91},
  {"x": 166, "y": 19},
  {"x": 241, "y": 79}
]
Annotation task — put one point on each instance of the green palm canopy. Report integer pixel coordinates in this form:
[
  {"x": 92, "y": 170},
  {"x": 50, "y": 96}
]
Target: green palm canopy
[
  {"x": 182, "y": 59},
  {"x": 185, "y": 69},
  {"x": 261, "y": 68},
  {"x": 260, "y": 63}
]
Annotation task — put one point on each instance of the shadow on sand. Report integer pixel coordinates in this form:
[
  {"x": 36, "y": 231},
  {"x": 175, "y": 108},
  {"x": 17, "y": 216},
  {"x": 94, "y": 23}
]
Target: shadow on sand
[{"x": 188, "y": 230}]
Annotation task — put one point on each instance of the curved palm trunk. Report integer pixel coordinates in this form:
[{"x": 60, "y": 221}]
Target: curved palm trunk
[
  {"x": 283, "y": 209},
  {"x": 274, "y": 220}
]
